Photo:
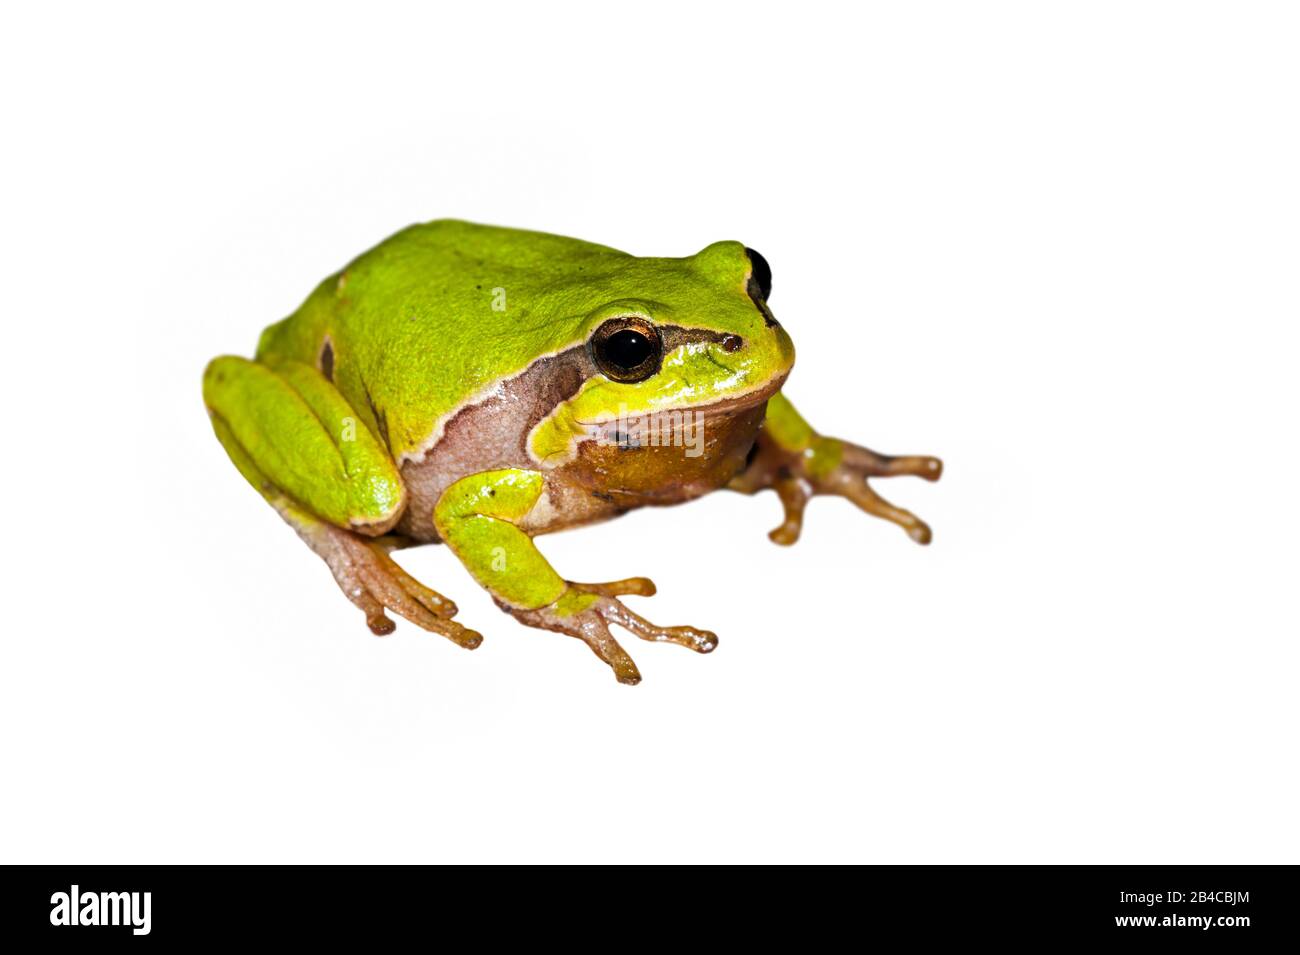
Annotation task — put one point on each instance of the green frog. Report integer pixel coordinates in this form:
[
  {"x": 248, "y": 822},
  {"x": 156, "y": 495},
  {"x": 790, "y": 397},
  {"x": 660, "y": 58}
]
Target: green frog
[{"x": 479, "y": 386}]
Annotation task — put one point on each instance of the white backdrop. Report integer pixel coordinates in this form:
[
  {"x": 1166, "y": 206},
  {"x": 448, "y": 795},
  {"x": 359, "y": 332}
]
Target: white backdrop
[{"x": 1054, "y": 244}]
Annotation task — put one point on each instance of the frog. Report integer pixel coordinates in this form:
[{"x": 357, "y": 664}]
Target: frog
[{"x": 478, "y": 386}]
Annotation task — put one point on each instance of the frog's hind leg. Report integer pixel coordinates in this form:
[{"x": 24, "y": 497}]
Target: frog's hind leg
[
  {"x": 362, "y": 568},
  {"x": 360, "y": 563}
]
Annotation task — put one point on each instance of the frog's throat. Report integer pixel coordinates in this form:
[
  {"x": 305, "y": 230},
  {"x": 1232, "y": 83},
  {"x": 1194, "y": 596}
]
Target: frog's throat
[{"x": 556, "y": 439}]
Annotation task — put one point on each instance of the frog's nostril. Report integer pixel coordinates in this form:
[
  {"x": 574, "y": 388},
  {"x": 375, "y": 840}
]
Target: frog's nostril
[{"x": 732, "y": 343}]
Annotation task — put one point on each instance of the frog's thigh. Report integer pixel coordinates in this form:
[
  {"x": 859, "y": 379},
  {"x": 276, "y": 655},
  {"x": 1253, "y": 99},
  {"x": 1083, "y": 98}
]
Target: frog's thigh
[
  {"x": 475, "y": 518},
  {"x": 288, "y": 427}
]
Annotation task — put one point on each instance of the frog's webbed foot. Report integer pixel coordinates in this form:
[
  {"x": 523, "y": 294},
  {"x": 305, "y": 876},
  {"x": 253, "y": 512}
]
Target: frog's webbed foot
[
  {"x": 586, "y": 611},
  {"x": 832, "y": 466},
  {"x": 374, "y": 582}
]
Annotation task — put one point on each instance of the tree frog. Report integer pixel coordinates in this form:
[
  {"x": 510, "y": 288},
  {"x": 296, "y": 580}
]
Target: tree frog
[{"x": 479, "y": 386}]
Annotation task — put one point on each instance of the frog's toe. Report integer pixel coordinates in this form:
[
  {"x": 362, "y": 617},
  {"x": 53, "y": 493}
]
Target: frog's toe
[
  {"x": 628, "y": 587},
  {"x": 874, "y": 464},
  {"x": 855, "y": 488},
  {"x": 375, "y": 583},
  {"x": 591, "y": 625},
  {"x": 595, "y": 634},
  {"x": 383, "y": 581},
  {"x": 701, "y": 641},
  {"x": 794, "y": 493}
]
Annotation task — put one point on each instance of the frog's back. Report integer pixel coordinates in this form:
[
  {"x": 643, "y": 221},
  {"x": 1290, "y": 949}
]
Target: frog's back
[{"x": 435, "y": 314}]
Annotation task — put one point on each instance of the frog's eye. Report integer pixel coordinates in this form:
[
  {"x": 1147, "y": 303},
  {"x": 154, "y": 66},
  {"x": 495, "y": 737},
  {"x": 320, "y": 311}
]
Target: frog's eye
[
  {"x": 627, "y": 349},
  {"x": 760, "y": 276}
]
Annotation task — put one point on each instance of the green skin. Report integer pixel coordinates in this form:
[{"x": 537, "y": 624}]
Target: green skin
[{"x": 350, "y": 405}]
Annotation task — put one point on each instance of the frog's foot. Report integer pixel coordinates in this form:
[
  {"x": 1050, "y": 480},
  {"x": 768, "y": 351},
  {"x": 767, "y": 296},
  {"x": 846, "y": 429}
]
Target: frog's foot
[
  {"x": 374, "y": 582},
  {"x": 831, "y": 466},
  {"x": 586, "y": 611}
]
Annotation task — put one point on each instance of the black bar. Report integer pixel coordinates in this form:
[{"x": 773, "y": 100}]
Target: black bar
[{"x": 1230, "y": 906}]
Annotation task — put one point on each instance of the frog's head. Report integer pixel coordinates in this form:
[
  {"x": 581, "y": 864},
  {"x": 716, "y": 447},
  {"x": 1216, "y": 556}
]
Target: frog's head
[
  {"x": 698, "y": 331},
  {"x": 680, "y": 371}
]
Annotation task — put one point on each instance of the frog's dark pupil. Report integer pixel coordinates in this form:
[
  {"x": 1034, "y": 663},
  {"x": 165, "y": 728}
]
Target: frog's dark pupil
[{"x": 627, "y": 349}]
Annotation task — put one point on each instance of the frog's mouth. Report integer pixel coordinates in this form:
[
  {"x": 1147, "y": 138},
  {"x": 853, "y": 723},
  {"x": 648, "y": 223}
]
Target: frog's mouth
[
  {"x": 676, "y": 426},
  {"x": 744, "y": 401}
]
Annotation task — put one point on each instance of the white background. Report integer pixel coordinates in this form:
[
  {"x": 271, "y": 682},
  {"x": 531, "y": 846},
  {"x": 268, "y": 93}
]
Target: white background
[{"x": 1055, "y": 244}]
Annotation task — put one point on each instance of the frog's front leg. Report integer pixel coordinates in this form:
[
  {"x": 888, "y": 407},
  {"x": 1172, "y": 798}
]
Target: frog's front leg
[
  {"x": 798, "y": 463},
  {"x": 294, "y": 438},
  {"x": 477, "y": 516}
]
